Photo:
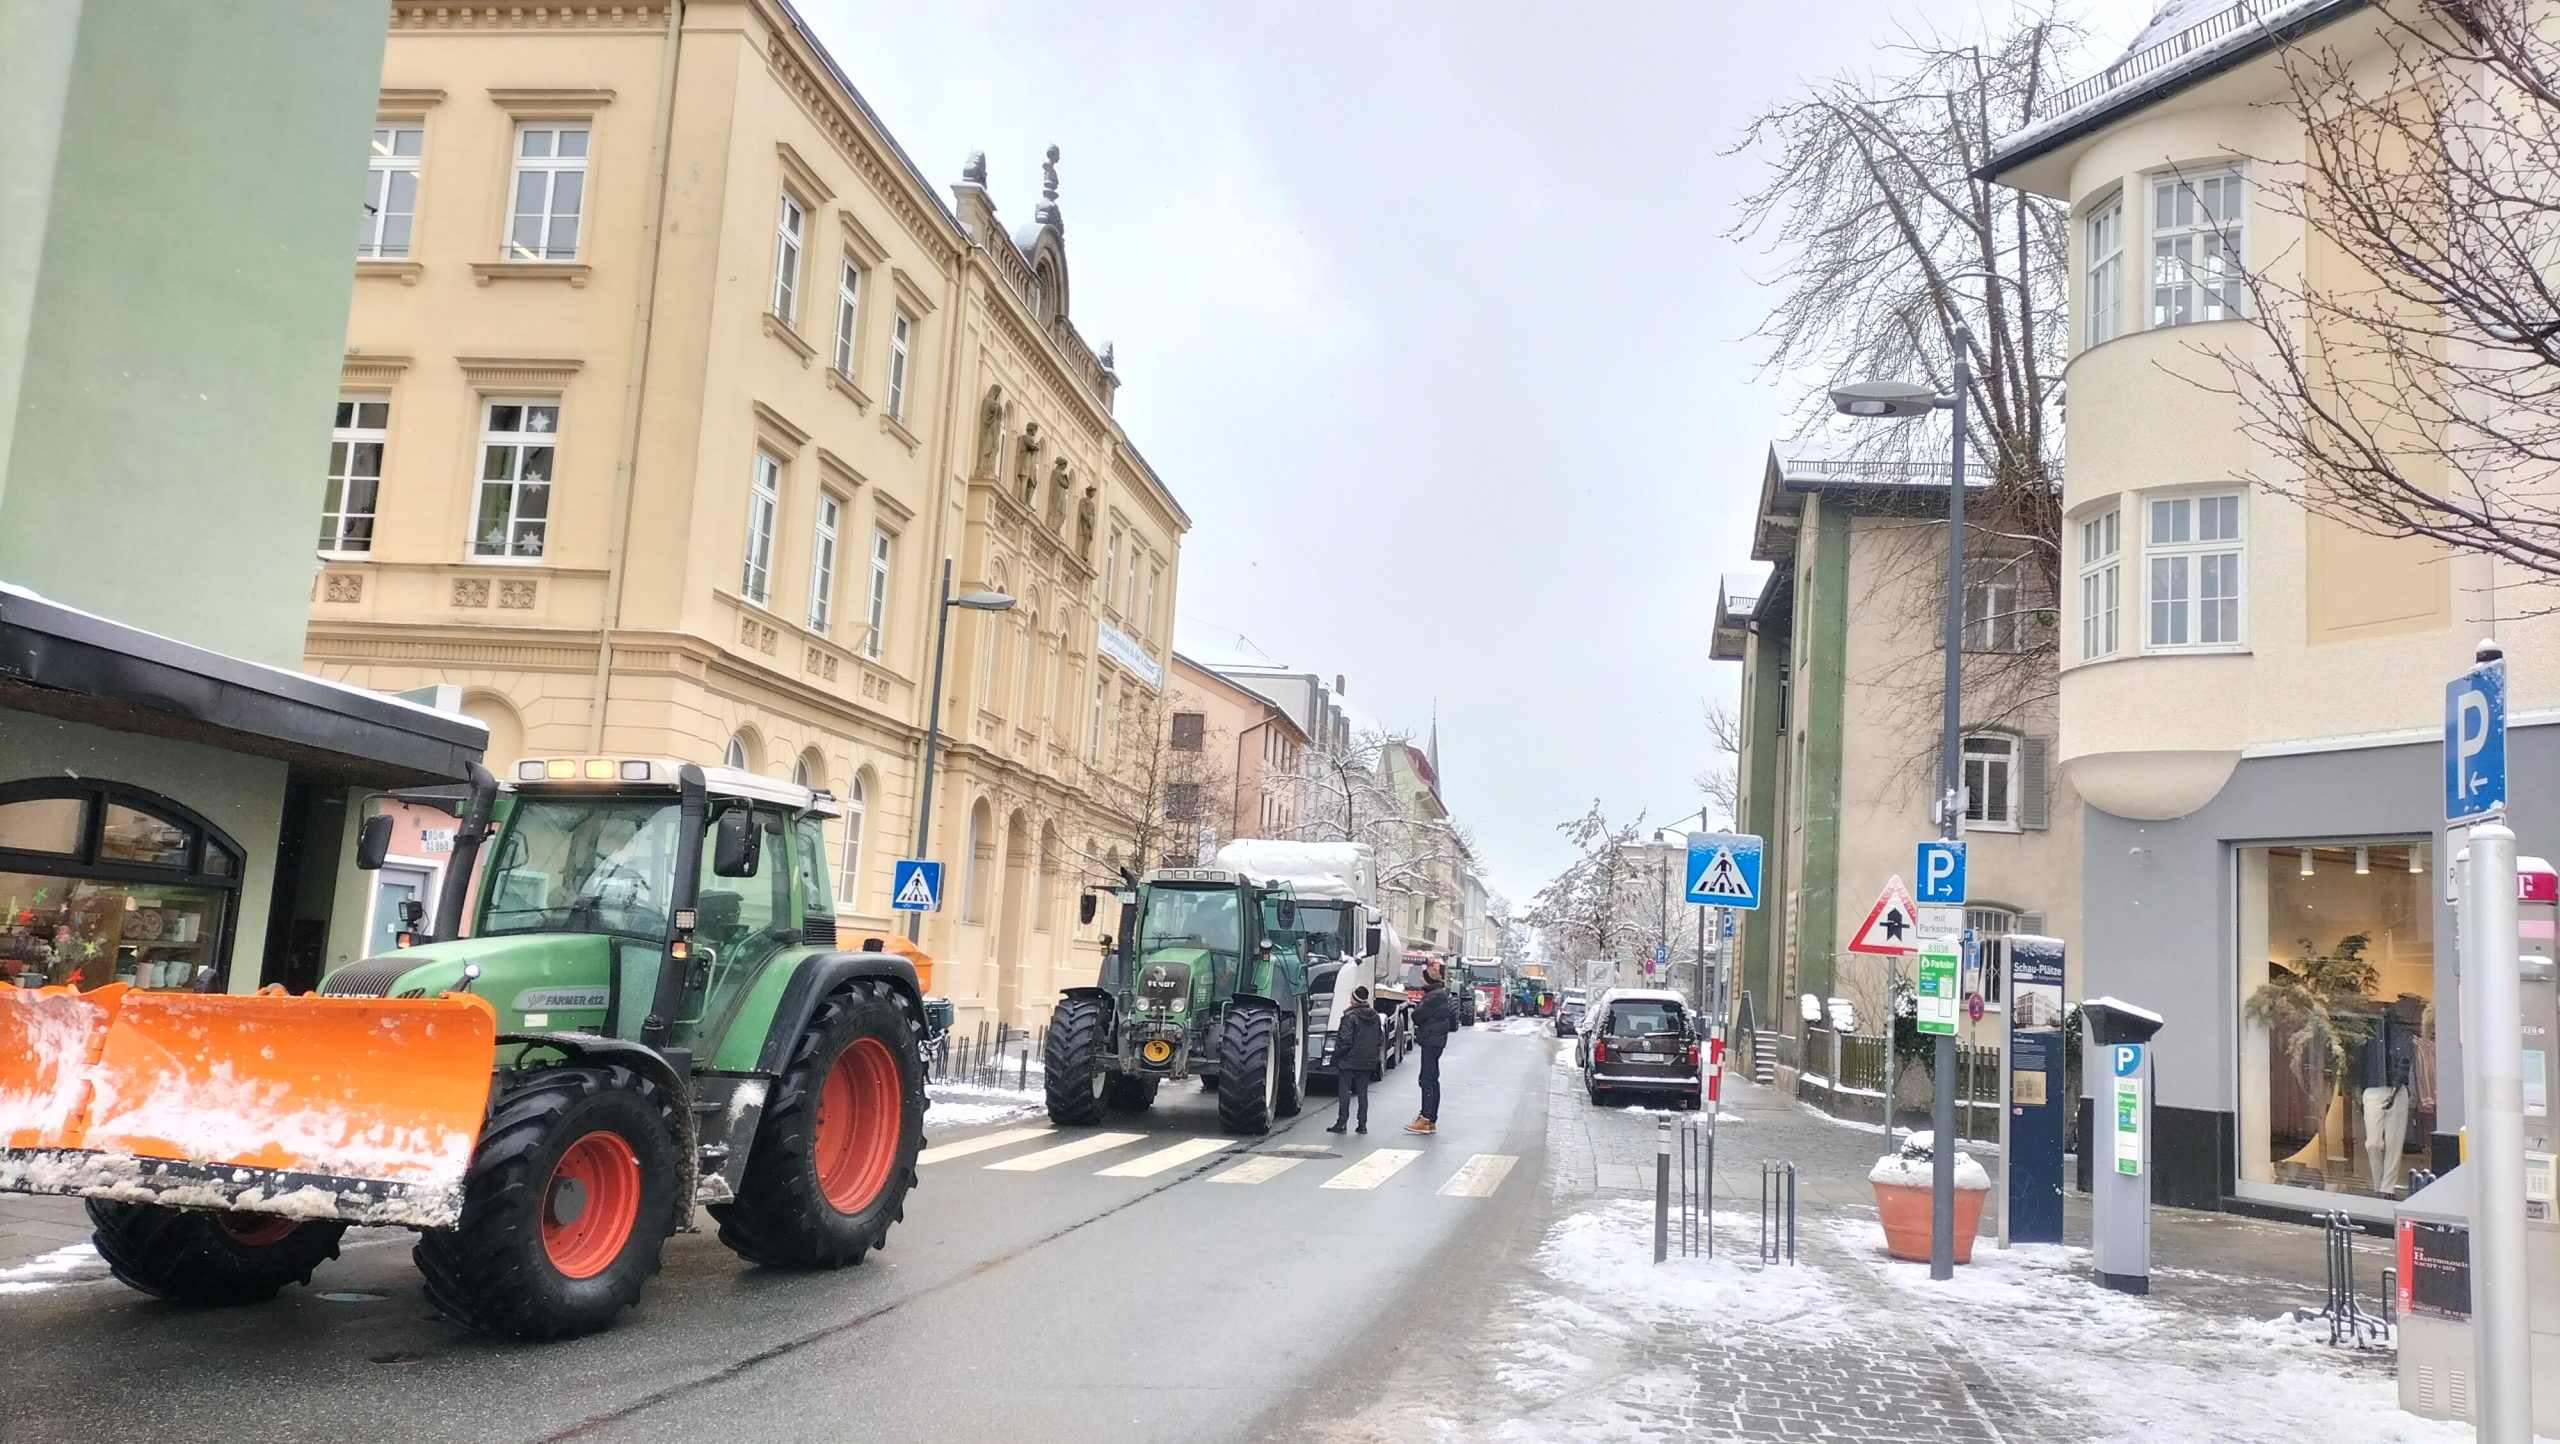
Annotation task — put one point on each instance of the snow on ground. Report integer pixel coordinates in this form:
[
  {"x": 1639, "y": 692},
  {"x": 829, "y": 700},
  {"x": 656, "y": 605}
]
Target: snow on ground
[
  {"x": 2149, "y": 1369},
  {"x": 963, "y": 1105},
  {"x": 1608, "y": 1252},
  {"x": 71, "y": 1263},
  {"x": 1525, "y": 1025}
]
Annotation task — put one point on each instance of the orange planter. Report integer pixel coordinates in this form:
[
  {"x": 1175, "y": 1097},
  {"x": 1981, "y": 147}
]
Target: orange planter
[{"x": 1905, "y": 1209}]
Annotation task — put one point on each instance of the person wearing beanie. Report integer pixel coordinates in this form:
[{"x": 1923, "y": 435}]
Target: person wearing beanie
[{"x": 1358, "y": 1043}]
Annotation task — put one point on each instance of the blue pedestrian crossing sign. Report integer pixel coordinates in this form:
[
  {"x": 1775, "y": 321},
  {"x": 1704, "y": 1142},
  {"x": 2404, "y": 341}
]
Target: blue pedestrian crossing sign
[
  {"x": 1941, "y": 873},
  {"x": 915, "y": 886},
  {"x": 1724, "y": 869},
  {"x": 2475, "y": 742}
]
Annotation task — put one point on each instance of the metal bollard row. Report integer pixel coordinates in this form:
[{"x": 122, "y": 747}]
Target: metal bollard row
[{"x": 1777, "y": 1213}]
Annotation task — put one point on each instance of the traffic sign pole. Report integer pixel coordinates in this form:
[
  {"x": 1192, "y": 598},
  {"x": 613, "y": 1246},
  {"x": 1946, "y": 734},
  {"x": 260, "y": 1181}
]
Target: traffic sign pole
[{"x": 1942, "y": 1116}]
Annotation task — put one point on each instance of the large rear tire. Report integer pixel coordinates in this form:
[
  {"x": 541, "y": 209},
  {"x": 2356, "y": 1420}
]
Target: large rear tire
[
  {"x": 570, "y": 1196},
  {"x": 1127, "y": 1094},
  {"x": 196, "y": 1257},
  {"x": 1249, "y": 1049},
  {"x": 1291, "y": 1094},
  {"x": 836, "y": 1151},
  {"x": 1073, "y": 1071}
]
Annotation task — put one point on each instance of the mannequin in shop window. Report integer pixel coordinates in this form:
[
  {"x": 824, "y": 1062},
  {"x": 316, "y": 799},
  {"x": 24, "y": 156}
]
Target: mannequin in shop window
[{"x": 2386, "y": 1070}]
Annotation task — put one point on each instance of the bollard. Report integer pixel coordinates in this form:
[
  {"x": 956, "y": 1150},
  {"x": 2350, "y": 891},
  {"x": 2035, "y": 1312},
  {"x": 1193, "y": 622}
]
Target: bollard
[
  {"x": 1661, "y": 1190},
  {"x": 1022, "y": 1075}
]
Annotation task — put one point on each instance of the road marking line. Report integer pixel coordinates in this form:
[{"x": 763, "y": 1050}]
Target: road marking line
[
  {"x": 1148, "y": 1165},
  {"x": 1067, "y": 1152},
  {"x": 1480, "y": 1177},
  {"x": 979, "y": 1144},
  {"x": 1261, "y": 1168},
  {"x": 1373, "y": 1170}
]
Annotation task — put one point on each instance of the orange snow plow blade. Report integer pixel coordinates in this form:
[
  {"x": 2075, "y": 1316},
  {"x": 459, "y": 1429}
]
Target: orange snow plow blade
[{"x": 364, "y": 1109}]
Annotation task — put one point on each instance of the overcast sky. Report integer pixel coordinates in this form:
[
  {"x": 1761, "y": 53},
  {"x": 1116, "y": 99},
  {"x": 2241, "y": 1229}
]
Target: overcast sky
[{"x": 1426, "y": 313}]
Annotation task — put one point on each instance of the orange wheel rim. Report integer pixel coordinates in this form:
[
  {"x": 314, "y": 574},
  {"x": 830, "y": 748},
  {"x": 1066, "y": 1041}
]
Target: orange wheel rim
[
  {"x": 859, "y": 1114},
  {"x": 591, "y": 1204},
  {"x": 255, "y": 1230}
]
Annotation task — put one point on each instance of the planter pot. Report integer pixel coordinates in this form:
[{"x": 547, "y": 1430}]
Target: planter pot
[{"x": 1905, "y": 1210}]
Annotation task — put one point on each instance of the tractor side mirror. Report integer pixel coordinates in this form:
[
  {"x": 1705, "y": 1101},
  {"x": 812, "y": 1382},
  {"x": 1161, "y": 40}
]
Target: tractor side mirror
[
  {"x": 1374, "y": 940},
  {"x": 1288, "y": 913},
  {"x": 735, "y": 847},
  {"x": 1106, "y": 942},
  {"x": 1085, "y": 907},
  {"x": 373, "y": 842}
]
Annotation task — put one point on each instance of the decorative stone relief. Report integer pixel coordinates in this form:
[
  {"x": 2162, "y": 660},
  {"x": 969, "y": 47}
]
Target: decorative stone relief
[
  {"x": 343, "y": 587},
  {"x": 515, "y": 596},
  {"x": 471, "y": 591}
]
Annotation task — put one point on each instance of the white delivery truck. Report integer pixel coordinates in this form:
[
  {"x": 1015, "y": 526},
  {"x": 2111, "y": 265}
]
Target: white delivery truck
[{"x": 1346, "y": 941}]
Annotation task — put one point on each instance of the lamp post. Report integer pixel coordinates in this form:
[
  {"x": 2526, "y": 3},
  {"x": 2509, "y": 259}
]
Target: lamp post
[
  {"x": 945, "y": 603},
  {"x": 1901, "y": 401}
]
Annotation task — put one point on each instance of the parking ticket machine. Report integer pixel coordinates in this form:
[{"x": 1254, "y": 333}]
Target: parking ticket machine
[{"x": 2433, "y": 1223}]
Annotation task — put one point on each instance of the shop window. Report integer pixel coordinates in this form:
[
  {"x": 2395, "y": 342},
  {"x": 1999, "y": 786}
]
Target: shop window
[
  {"x": 2336, "y": 1017},
  {"x": 101, "y": 883}
]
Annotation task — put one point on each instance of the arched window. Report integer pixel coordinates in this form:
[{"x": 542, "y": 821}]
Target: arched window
[
  {"x": 802, "y": 774},
  {"x": 737, "y": 755},
  {"x": 856, "y": 798},
  {"x": 1029, "y": 643},
  {"x": 1044, "y": 880},
  {"x": 1044, "y": 291},
  {"x": 973, "y": 892},
  {"x": 106, "y": 883}
]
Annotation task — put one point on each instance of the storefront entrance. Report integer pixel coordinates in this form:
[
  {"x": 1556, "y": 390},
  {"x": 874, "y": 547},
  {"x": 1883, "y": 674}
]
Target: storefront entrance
[{"x": 102, "y": 883}]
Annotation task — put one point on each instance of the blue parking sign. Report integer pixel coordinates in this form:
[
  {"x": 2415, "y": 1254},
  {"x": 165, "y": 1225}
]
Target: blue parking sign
[
  {"x": 2475, "y": 742},
  {"x": 1941, "y": 873}
]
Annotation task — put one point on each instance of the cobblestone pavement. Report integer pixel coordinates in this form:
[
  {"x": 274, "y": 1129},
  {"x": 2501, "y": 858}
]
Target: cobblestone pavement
[{"x": 1848, "y": 1345}]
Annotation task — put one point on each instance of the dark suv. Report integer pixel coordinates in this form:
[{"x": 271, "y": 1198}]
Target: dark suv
[
  {"x": 1640, "y": 1040},
  {"x": 1569, "y": 1013}
]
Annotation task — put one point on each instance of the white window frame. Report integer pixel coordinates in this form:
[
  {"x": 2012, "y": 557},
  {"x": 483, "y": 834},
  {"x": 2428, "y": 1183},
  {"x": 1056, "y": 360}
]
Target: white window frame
[
  {"x": 344, "y": 438},
  {"x": 2177, "y": 565},
  {"x": 1994, "y": 602},
  {"x": 902, "y": 335},
  {"x": 764, "y": 505},
  {"x": 552, "y": 167},
  {"x": 1990, "y": 750},
  {"x": 1111, "y": 570},
  {"x": 1093, "y": 743},
  {"x": 848, "y": 316},
  {"x": 385, "y": 166},
  {"x": 856, "y": 801},
  {"x": 875, "y": 604},
  {"x": 2104, "y": 233},
  {"x": 735, "y": 754},
  {"x": 519, "y": 444},
  {"x": 1155, "y": 590},
  {"x": 822, "y": 561},
  {"x": 2196, "y": 259},
  {"x": 2101, "y": 584},
  {"x": 790, "y": 231}
]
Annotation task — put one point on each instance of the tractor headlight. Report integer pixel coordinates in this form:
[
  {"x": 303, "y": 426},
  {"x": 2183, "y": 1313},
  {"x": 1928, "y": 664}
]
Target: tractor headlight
[{"x": 1157, "y": 1050}]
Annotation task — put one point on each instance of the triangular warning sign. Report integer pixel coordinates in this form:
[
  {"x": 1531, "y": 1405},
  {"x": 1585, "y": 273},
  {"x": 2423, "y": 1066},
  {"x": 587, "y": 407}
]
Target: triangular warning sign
[
  {"x": 917, "y": 893},
  {"x": 1720, "y": 878},
  {"x": 1892, "y": 925}
]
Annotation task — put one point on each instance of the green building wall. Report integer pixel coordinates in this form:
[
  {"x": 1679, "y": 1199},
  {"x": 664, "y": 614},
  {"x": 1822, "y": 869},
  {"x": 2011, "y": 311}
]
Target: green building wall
[{"x": 163, "y": 437}]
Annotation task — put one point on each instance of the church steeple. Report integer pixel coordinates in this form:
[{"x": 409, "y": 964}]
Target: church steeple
[{"x": 1433, "y": 751}]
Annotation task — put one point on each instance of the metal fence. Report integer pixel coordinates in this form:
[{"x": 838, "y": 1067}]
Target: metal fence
[
  {"x": 1845, "y": 1074},
  {"x": 2152, "y": 57},
  {"x": 997, "y": 1058}
]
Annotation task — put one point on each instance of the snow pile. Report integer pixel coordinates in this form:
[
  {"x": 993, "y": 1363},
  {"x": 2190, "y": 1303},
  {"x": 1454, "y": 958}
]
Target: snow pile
[
  {"x": 963, "y": 1105},
  {"x": 50, "y": 1036},
  {"x": 1608, "y": 1252},
  {"x": 69, "y": 1264},
  {"x": 1915, "y": 1166},
  {"x": 1526, "y": 1025}
]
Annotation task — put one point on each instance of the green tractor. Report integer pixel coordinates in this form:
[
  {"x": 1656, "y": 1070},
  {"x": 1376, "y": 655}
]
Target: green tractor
[
  {"x": 651, "y": 1011},
  {"x": 1207, "y": 982}
]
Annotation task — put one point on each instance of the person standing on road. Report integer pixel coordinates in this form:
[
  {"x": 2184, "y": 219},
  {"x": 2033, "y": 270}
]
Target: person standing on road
[
  {"x": 1358, "y": 1043},
  {"x": 1434, "y": 1019}
]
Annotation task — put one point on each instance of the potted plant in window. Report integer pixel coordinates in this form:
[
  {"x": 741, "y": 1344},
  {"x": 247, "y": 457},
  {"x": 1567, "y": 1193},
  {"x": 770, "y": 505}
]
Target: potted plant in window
[
  {"x": 1903, "y": 1181},
  {"x": 2316, "y": 1011}
]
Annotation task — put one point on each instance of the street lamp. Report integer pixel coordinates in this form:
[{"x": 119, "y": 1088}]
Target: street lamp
[
  {"x": 971, "y": 601},
  {"x": 1901, "y": 401}
]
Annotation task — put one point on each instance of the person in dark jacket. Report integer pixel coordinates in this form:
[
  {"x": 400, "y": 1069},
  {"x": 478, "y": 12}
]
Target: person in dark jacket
[
  {"x": 1434, "y": 1019},
  {"x": 1357, "y": 1043}
]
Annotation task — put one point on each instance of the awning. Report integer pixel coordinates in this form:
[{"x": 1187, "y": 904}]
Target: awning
[{"x": 58, "y": 661}]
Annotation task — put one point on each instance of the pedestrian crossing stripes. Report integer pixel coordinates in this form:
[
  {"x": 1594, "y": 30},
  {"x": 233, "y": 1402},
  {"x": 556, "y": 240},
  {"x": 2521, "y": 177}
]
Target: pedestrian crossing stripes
[
  {"x": 1480, "y": 1176},
  {"x": 1148, "y": 1165},
  {"x": 1375, "y": 1169},
  {"x": 1091, "y": 1143},
  {"x": 983, "y": 1142},
  {"x": 1261, "y": 1168}
]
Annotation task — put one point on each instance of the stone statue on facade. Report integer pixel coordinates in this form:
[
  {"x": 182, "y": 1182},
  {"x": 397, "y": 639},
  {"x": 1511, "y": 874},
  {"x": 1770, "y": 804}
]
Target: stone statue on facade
[
  {"x": 991, "y": 433},
  {"x": 1084, "y": 524},
  {"x": 974, "y": 170},
  {"x": 1061, "y": 486},
  {"x": 1028, "y": 460}
]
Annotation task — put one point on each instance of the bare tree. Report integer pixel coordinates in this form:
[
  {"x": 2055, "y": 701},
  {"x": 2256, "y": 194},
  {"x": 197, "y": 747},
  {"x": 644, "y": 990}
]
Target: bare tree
[
  {"x": 2418, "y": 385},
  {"x": 1721, "y": 783},
  {"x": 1889, "y": 243},
  {"x": 1176, "y": 793},
  {"x": 1588, "y": 909}
]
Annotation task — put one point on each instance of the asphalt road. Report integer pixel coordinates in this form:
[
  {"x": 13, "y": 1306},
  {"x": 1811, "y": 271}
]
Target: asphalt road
[{"x": 1059, "y": 1303}]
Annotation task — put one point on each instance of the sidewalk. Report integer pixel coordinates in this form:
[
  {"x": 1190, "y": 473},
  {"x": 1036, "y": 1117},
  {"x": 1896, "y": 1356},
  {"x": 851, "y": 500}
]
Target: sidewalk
[{"x": 1601, "y": 1344}]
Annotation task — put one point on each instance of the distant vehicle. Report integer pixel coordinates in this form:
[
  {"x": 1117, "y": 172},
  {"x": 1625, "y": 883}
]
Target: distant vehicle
[
  {"x": 1568, "y": 1012},
  {"x": 1641, "y": 1040},
  {"x": 1484, "y": 983},
  {"x": 1347, "y": 943}
]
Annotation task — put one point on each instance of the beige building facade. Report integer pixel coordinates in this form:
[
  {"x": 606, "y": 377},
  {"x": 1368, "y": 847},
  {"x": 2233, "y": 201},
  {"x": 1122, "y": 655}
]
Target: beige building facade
[
  {"x": 670, "y": 386},
  {"x": 1247, "y": 753}
]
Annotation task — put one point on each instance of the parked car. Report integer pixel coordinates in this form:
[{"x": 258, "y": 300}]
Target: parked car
[
  {"x": 1569, "y": 1013},
  {"x": 1641, "y": 1040}
]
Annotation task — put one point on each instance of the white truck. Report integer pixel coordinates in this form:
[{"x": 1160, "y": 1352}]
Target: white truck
[{"x": 1347, "y": 942}]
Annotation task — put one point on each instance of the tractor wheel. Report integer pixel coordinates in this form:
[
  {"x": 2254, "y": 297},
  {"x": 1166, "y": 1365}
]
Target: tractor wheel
[
  {"x": 196, "y": 1257},
  {"x": 1249, "y": 1061},
  {"x": 1073, "y": 1068},
  {"x": 836, "y": 1152},
  {"x": 570, "y": 1195},
  {"x": 1291, "y": 1093},
  {"x": 1126, "y": 1094}
]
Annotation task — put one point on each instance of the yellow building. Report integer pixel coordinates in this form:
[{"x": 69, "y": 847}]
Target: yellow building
[{"x": 670, "y": 385}]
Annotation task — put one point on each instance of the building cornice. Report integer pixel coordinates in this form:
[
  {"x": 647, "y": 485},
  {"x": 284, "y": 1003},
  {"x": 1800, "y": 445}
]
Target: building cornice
[
  {"x": 453, "y": 15},
  {"x": 899, "y": 186}
]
